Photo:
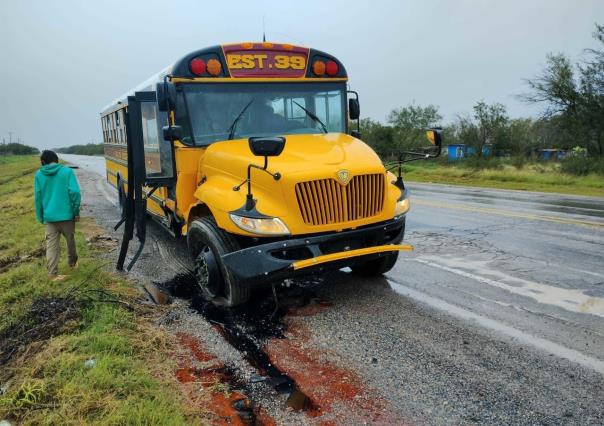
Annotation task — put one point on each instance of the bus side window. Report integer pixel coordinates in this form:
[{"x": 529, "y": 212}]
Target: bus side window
[{"x": 158, "y": 152}]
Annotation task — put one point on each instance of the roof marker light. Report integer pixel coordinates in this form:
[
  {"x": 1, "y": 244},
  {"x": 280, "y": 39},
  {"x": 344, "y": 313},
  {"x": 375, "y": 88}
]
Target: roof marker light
[
  {"x": 214, "y": 67},
  {"x": 331, "y": 68},
  {"x": 318, "y": 67},
  {"x": 198, "y": 66}
]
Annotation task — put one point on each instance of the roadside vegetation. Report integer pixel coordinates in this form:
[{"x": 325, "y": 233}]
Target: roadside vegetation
[
  {"x": 88, "y": 149},
  {"x": 507, "y": 174},
  {"x": 561, "y": 151},
  {"x": 79, "y": 351},
  {"x": 17, "y": 149}
]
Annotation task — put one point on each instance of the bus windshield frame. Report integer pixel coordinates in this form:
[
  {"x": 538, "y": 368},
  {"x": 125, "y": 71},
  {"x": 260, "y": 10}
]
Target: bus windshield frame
[{"x": 207, "y": 111}]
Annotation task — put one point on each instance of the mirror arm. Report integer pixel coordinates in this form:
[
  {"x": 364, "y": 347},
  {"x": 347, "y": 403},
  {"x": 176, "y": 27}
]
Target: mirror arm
[{"x": 249, "y": 202}]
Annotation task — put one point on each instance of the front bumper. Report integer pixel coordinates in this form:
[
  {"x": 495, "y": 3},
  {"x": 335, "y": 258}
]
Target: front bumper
[{"x": 264, "y": 263}]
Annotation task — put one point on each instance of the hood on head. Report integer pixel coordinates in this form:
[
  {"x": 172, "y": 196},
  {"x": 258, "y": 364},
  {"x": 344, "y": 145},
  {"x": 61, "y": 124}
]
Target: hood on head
[{"x": 51, "y": 169}]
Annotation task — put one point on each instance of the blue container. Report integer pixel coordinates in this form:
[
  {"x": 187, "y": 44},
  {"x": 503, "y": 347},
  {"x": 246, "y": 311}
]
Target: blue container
[{"x": 455, "y": 152}]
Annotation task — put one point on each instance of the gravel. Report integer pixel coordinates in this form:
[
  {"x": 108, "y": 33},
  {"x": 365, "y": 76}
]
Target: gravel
[{"x": 429, "y": 367}]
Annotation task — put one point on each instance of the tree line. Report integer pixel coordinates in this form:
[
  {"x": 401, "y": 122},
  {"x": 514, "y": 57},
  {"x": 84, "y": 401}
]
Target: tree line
[
  {"x": 572, "y": 96},
  {"x": 88, "y": 149},
  {"x": 15, "y": 148}
]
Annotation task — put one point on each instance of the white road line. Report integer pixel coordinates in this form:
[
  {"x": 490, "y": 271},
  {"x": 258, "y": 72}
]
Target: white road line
[
  {"x": 572, "y": 300},
  {"x": 518, "y": 335}
]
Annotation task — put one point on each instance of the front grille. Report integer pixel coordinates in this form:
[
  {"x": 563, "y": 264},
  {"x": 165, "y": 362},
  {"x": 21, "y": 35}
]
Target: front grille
[{"x": 325, "y": 201}]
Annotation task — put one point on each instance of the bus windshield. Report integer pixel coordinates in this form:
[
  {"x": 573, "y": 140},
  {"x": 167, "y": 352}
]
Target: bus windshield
[{"x": 215, "y": 112}]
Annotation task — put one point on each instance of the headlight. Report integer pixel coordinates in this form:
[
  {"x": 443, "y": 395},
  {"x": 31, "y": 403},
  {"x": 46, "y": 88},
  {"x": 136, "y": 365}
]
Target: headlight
[
  {"x": 264, "y": 226},
  {"x": 402, "y": 207}
]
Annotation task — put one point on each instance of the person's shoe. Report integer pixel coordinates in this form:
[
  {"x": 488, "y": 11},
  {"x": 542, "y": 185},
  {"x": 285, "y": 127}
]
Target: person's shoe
[
  {"x": 58, "y": 277},
  {"x": 75, "y": 265}
]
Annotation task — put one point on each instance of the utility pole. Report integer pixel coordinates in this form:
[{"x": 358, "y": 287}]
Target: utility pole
[{"x": 10, "y": 137}]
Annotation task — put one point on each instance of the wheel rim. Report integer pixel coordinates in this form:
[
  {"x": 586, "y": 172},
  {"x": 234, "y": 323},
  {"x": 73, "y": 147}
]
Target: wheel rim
[{"x": 208, "y": 274}]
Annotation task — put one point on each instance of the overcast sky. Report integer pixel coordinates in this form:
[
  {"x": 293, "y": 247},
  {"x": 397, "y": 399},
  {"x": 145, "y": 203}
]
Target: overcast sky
[{"x": 62, "y": 61}]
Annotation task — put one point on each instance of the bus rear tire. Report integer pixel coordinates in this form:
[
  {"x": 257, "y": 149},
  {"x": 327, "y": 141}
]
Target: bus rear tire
[
  {"x": 207, "y": 243},
  {"x": 376, "y": 267}
]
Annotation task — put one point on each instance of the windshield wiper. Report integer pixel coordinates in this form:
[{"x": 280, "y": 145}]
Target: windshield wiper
[
  {"x": 313, "y": 117},
  {"x": 234, "y": 125}
]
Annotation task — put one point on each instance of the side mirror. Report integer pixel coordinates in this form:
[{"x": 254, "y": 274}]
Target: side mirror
[
  {"x": 267, "y": 147},
  {"x": 166, "y": 96},
  {"x": 354, "y": 109},
  {"x": 172, "y": 133},
  {"x": 435, "y": 136}
]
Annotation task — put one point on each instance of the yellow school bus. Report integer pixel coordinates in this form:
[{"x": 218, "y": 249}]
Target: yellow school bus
[{"x": 246, "y": 151}]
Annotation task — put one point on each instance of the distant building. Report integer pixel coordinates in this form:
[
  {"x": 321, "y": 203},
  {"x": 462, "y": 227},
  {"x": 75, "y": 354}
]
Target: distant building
[
  {"x": 551, "y": 154},
  {"x": 457, "y": 151}
]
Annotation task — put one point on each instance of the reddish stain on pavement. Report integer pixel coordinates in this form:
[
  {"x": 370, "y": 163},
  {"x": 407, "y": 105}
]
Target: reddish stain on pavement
[
  {"x": 337, "y": 394},
  {"x": 194, "y": 346},
  {"x": 263, "y": 418},
  {"x": 214, "y": 377},
  {"x": 311, "y": 309}
]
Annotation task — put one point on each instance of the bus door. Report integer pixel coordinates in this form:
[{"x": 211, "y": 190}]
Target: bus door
[{"x": 150, "y": 166}]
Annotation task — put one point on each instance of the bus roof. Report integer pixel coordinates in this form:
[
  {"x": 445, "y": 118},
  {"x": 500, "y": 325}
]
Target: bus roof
[{"x": 244, "y": 62}]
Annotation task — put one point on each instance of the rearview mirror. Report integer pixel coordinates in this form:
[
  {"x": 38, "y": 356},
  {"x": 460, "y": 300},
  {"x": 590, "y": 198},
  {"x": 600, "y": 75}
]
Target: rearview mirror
[
  {"x": 267, "y": 147},
  {"x": 172, "y": 133},
  {"x": 435, "y": 136},
  {"x": 166, "y": 96},
  {"x": 354, "y": 109}
]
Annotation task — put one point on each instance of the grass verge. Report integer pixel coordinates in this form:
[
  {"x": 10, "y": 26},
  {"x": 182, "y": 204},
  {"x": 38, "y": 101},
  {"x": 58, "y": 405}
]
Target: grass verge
[
  {"x": 79, "y": 351},
  {"x": 530, "y": 177}
]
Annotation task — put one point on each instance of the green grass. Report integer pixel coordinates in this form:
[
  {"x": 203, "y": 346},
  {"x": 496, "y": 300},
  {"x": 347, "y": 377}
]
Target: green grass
[
  {"x": 543, "y": 177},
  {"x": 18, "y": 234},
  {"x": 131, "y": 381}
]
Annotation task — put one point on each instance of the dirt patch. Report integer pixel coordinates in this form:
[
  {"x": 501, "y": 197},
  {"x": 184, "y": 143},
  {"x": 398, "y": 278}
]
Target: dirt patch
[
  {"x": 12, "y": 261},
  {"x": 45, "y": 318},
  {"x": 103, "y": 242}
]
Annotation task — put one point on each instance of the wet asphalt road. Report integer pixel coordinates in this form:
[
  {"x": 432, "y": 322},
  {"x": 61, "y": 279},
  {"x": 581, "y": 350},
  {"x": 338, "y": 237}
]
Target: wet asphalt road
[
  {"x": 530, "y": 261},
  {"x": 496, "y": 317}
]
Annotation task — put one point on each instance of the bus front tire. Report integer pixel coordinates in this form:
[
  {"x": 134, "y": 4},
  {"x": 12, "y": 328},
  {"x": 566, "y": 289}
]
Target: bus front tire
[
  {"x": 207, "y": 243},
  {"x": 375, "y": 267}
]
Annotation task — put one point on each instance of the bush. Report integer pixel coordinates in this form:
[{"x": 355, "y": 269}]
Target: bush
[
  {"x": 581, "y": 166},
  {"x": 518, "y": 161},
  {"x": 17, "y": 149}
]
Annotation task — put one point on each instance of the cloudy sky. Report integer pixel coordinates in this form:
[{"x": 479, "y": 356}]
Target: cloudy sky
[{"x": 62, "y": 61}]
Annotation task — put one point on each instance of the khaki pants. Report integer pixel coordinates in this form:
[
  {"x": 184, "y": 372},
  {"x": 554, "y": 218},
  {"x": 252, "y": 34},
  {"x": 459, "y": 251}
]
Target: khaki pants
[{"x": 54, "y": 230}]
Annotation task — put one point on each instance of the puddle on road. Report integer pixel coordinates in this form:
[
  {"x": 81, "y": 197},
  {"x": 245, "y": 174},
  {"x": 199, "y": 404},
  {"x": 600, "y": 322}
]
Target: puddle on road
[{"x": 247, "y": 328}]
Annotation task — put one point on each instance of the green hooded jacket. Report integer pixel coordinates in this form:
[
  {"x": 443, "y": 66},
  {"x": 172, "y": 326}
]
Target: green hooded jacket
[{"x": 56, "y": 193}]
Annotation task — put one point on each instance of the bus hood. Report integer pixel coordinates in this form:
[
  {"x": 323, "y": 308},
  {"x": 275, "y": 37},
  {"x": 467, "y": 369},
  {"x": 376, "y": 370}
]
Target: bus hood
[{"x": 302, "y": 153}]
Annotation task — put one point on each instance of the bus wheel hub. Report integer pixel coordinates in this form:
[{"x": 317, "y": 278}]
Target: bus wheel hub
[{"x": 208, "y": 273}]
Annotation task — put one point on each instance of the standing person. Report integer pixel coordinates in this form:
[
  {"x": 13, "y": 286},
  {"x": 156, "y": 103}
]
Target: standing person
[{"x": 57, "y": 198}]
